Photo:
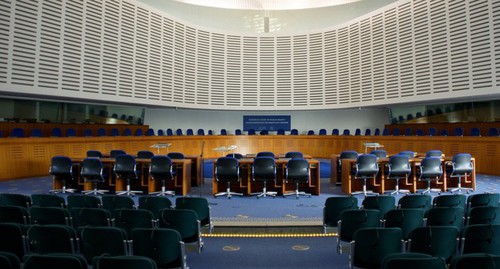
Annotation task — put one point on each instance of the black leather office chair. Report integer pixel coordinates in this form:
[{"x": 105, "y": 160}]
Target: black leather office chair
[
  {"x": 94, "y": 154},
  {"x": 161, "y": 169},
  {"x": 434, "y": 153},
  {"x": 297, "y": 170},
  {"x": 265, "y": 154},
  {"x": 125, "y": 167},
  {"x": 366, "y": 167},
  {"x": 145, "y": 154},
  {"x": 176, "y": 155},
  {"x": 410, "y": 154},
  {"x": 294, "y": 154},
  {"x": 380, "y": 153},
  {"x": 347, "y": 154},
  {"x": 115, "y": 152},
  {"x": 462, "y": 167},
  {"x": 430, "y": 170},
  {"x": 227, "y": 169},
  {"x": 61, "y": 169},
  {"x": 264, "y": 169},
  {"x": 398, "y": 168},
  {"x": 235, "y": 155},
  {"x": 92, "y": 171}
]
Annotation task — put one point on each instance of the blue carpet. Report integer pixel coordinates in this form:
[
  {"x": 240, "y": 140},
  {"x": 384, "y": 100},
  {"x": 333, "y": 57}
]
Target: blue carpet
[{"x": 290, "y": 253}]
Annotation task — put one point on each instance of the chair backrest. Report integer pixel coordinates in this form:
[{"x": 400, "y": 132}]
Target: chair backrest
[
  {"x": 493, "y": 131},
  {"x": 251, "y": 131},
  {"x": 264, "y": 132},
  {"x": 115, "y": 132},
  {"x": 310, "y": 132},
  {"x": 115, "y": 152},
  {"x": 430, "y": 167},
  {"x": 124, "y": 262},
  {"x": 444, "y": 132},
  {"x": 56, "y": 132},
  {"x": 382, "y": 203},
  {"x": 352, "y": 220},
  {"x": 380, "y": 153},
  {"x": 368, "y": 132},
  {"x": 419, "y": 132},
  {"x": 140, "y": 132},
  {"x": 385, "y": 131},
  {"x": 265, "y": 154},
  {"x": 13, "y": 239},
  {"x": 170, "y": 132},
  {"x": 475, "y": 131},
  {"x": 446, "y": 216},
  {"x": 223, "y": 131},
  {"x": 334, "y": 206},
  {"x": 294, "y": 154},
  {"x": 438, "y": 241},
  {"x": 70, "y": 132},
  {"x": 15, "y": 199},
  {"x": 129, "y": 219},
  {"x": 96, "y": 241},
  {"x": 294, "y": 132},
  {"x": 377, "y": 131},
  {"x": 481, "y": 238},
  {"x": 200, "y": 132},
  {"x": 47, "y": 200},
  {"x": 399, "y": 166},
  {"x": 348, "y": 154},
  {"x": 455, "y": 200},
  {"x": 50, "y": 215},
  {"x": 410, "y": 154},
  {"x": 475, "y": 260},
  {"x": 432, "y": 131},
  {"x": 161, "y": 168},
  {"x": 484, "y": 215},
  {"x": 145, "y": 154},
  {"x": 346, "y": 132},
  {"x": 125, "y": 166},
  {"x": 396, "y": 132},
  {"x": 185, "y": 221},
  {"x": 113, "y": 202},
  {"x": 434, "y": 153},
  {"x": 237, "y": 132},
  {"x": 151, "y": 132},
  {"x": 17, "y": 132},
  {"x": 45, "y": 239},
  {"x": 14, "y": 214},
  {"x": 127, "y": 132},
  {"x": 483, "y": 199},
  {"x": 55, "y": 261},
  {"x": 101, "y": 132},
  {"x": 87, "y": 133},
  {"x": 357, "y": 131},
  {"x": 297, "y": 170},
  {"x": 461, "y": 164},
  {"x": 162, "y": 245},
  {"x": 154, "y": 204},
  {"x": 235, "y": 155},
  {"x": 415, "y": 201},
  {"x": 335, "y": 131},
  {"x": 92, "y": 169},
  {"x": 160, "y": 132},
  {"x": 407, "y": 219},
  {"x": 372, "y": 245},
  {"x": 9, "y": 261},
  {"x": 459, "y": 131},
  {"x": 264, "y": 168},
  {"x": 227, "y": 169},
  {"x": 189, "y": 131},
  {"x": 175, "y": 155},
  {"x": 322, "y": 131},
  {"x": 36, "y": 132},
  {"x": 85, "y": 201},
  {"x": 94, "y": 154},
  {"x": 61, "y": 166},
  {"x": 280, "y": 132},
  {"x": 91, "y": 217},
  {"x": 197, "y": 204},
  {"x": 366, "y": 166},
  {"x": 408, "y": 132}
]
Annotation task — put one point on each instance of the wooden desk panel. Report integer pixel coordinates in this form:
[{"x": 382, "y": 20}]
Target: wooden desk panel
[
  {"x": 30, "y": 157},
  {"x": 381, "y": 184},
  {"x": 182, "y": 183},
  {"x": 247, "y": 186}
]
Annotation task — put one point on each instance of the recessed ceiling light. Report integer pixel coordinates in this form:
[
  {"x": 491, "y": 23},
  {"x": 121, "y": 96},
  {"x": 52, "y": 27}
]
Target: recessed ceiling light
[{"x": 268, "y": 4}]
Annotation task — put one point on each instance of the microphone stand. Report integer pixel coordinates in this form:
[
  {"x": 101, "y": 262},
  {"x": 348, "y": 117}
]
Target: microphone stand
[{"x": 202, "y": 167}]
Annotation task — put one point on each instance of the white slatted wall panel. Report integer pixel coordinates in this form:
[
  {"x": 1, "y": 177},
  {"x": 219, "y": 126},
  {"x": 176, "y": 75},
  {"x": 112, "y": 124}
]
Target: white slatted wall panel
[{"x": 119, "y": 50}]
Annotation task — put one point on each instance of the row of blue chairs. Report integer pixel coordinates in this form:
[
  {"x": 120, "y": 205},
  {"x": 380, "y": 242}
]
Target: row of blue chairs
[{"x": 71, "y": 132}]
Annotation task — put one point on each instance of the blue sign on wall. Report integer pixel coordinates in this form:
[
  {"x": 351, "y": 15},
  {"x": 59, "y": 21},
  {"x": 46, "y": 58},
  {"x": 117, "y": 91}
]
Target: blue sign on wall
[{"x": 269, "y": 123}]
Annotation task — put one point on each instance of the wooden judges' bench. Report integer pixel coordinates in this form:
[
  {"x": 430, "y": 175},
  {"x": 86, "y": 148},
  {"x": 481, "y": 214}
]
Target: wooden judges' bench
[
  {"x": 381, "y": 183},
  {"x": 181, "y": 183},
  {"x": 247, "y": 186}
]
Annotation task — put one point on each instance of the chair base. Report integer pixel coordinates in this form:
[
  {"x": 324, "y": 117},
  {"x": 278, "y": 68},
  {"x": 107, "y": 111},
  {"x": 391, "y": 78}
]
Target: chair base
[
  {"x": 297, "y": 194},
  {"x": 460, "y": 189},
  {"x": 265, "y": 193},
  {"x": 365, "y": 193},
  {"x": 63, "y": 190},
  {"x": 163, "y": 193},
  {"x": 95, "y": 192},
  {"x": 429, "y": 190},
  {"x": 229, "y": 194}
]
